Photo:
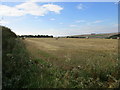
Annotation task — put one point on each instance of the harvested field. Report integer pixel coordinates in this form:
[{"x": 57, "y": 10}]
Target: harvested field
[{"x": 71, "y": 52}]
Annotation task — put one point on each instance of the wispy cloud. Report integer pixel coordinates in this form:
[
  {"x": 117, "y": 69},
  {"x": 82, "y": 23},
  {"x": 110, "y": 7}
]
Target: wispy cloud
[
  {"x": 3, "y": 22},
  {"x": 60, "y": 23},
  {"x": 91, "y": 29},
  {"x": 116, "y": 25},
  {"x": 98, "y": 21},
  {"x": 80, "y": 21},
  {"x": 80, "y": 6},
  {"x": 52, "y": 19},
  {"x": 117, "y": 3},
  {"x": 61, "y": 0},
  {"x": 95, "y": 22},
  {"x": 72, "y": 25},
  {"x": 31, "y": 8}
]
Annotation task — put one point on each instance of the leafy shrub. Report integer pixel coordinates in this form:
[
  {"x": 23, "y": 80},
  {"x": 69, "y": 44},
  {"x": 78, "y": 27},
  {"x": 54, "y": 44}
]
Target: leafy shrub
[{"x": 16, "y": 65}]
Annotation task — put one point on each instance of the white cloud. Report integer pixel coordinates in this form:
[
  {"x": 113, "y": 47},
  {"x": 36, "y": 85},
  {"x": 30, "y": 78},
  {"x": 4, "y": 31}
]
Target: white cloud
[
  {"x": 91, "y": 29},
  {"x": 95, "y": 22},
  {"x": 10, "y": 11},
  {"x": 73, "y": 25},
  {"x": 117, "y": 3},
  {"x": 29, "y": 8},
  {"x": 60, "y": 0},
  {"x": 80, "y": 21},
  {"x": 54, "y": 8},
  {"x": 3, "y": 22},
  {"x": 98, "y": 21},
  {"x": 52, "y": 19},
  {"x": 61, "y": 23},
  {"x": 116, "y": 25},
  {"x": 80, "y": 6},
  {"x": 67, "y": 31}
]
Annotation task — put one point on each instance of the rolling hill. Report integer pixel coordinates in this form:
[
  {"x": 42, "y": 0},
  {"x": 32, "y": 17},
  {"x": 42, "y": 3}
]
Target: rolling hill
[{"x": 102, "y": 35}]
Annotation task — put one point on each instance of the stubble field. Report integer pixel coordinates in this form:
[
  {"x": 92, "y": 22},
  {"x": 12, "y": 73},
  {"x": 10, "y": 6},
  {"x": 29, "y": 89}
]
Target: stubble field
[
  {"x": 74, "y": 63},
  {"x": 68, "y": 53},
  {"x": 62, "y": 63}
]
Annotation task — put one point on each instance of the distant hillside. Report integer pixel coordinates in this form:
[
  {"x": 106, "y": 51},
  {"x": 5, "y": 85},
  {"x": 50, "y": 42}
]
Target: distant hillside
[
  {"x": 104, "y": 35},
  {"x": 114, "y": 36}
]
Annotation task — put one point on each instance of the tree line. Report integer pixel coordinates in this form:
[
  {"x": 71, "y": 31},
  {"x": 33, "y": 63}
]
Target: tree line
[
  {"x": 35, "y": 36},
  {"x": 74, "y": 37}
]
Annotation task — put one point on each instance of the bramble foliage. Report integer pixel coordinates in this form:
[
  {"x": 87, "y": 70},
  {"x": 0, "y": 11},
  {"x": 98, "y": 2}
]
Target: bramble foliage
[{"x": 15, "y": 61}]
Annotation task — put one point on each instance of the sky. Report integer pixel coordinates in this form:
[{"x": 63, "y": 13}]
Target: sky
[{"x": 59, "y": 18}]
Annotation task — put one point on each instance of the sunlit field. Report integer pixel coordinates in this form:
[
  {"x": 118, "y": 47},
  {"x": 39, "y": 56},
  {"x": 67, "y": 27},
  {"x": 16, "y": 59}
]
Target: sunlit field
[
  {"x": 74, "y": 63},
  {"x": 59, "y": 63},
  {"x": 68, "y": 53},
  {"x": 59, "y": 44}
]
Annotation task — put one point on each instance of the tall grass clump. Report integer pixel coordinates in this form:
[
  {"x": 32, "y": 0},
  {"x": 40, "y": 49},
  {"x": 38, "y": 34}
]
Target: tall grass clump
[{"x": 17, "y": 67}]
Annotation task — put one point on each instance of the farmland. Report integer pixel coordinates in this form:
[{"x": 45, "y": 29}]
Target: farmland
[
  {"x": 69, "y": 53},
  {"x": 81, "y": 63},
  {"x": 102, "y": 35},
  {"x": 59, "y": 63}
]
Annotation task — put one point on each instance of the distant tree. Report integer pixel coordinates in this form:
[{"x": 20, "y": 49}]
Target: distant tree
[
  {"x": 114, "y": 36},
  {"x": 36, "y": 36}
]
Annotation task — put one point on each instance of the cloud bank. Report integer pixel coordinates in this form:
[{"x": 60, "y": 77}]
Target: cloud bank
[{"x": 29, "y": 8}]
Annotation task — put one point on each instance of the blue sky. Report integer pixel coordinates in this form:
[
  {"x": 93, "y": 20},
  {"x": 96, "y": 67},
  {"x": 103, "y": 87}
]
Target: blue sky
[{"x": 60, "y": 18}]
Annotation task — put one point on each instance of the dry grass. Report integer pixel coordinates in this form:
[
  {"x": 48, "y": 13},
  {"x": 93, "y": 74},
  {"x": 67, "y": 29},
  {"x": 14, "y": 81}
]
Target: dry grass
[{"x": 70, "y": 52}]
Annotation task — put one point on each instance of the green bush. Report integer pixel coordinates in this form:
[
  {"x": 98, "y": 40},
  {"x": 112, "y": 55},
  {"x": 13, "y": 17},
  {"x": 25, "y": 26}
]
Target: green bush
[{"x": 16, "y": 65}]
